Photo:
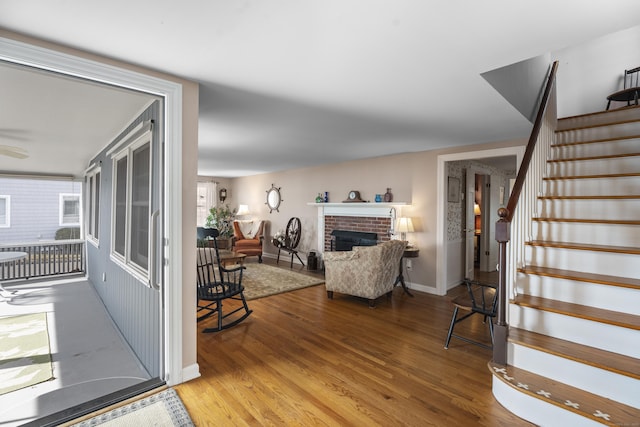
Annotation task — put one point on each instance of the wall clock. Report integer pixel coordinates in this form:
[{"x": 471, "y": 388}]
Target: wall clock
[{"x": 353, "y": 196}]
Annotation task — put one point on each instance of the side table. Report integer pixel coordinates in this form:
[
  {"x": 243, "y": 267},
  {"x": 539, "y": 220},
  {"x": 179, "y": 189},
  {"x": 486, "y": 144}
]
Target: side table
[{"x": 409, "y": 252}]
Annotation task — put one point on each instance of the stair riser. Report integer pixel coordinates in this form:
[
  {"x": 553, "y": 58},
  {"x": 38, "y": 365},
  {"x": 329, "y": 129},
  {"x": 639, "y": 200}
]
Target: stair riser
[
  {"x": 606, "y": 297},
  {"x": 590, "y": 209},
  {"x": 593, "y": 187},
  {"x": 611, "y": 116},
  {"x": 598, "y": 133},
  {"x": 593, "y": 380},
  {"x": 537, "y": 411},
  {"x": 595, "y": 234},
  {"x": 594, "y": 334},
  {"x": 612, "y": 264},
  {"x": 594, "y": 167},
  {"x": 623, "y": 146}
]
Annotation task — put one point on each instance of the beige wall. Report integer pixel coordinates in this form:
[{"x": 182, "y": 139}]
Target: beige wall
[
  {"x": 411, "y": 177},
  {"x": 189, "y": 167}
]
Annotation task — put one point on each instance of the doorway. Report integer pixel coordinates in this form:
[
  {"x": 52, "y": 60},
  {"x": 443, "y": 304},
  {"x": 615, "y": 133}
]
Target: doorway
[
  {"x": 170, "y": 298},
  {"x": 451, "y": 253}
]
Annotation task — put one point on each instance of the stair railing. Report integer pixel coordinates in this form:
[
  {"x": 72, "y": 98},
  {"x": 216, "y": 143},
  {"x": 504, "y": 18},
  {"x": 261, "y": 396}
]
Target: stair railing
[{"x": 514, "y": 224}]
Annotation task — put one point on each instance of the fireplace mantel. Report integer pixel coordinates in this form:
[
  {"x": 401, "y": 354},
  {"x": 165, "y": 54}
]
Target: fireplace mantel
[{"x": 364, "y": 209}]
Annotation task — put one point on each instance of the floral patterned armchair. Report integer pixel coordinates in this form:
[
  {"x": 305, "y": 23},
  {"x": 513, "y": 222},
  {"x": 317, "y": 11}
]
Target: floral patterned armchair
[{"x": 364, "y": 271}]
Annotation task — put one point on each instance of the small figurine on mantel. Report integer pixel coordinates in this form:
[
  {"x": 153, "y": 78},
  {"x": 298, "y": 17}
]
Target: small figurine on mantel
[{"x": 388, "y": 197}]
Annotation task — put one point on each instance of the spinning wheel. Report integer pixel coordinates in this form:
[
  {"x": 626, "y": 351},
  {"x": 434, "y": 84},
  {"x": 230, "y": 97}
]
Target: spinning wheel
[
  {"x": 291, "y": 240},
  {"x": 292, "y": 234}
]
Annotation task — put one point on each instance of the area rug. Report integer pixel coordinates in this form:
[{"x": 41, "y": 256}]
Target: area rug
[
  {"x": 160, "y": 409},
  {"x": 25, "y": 356},
  {"x": 261, "y": 280}
]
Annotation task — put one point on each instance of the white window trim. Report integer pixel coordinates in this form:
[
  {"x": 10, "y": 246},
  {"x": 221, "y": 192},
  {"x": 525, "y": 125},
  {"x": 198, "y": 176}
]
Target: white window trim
[
  {"x": 62, "y": 198},
  {"x": 7, "y": 224},
  {"x": 125, "y": 262},
  {"x": 91, "y": 200}
]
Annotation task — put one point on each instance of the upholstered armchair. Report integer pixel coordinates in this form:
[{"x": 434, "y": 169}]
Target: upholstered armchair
[
  {"x": 248, "y": 236},
  {"x": 365, "y": 271}
]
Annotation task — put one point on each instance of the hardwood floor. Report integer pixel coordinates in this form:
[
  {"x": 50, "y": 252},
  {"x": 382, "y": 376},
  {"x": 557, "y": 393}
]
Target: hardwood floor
[{"x": 301, "y": 359}]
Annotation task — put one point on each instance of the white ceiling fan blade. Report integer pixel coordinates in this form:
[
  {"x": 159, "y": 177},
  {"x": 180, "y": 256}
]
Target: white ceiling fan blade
[{"x": 16, "y": 152}]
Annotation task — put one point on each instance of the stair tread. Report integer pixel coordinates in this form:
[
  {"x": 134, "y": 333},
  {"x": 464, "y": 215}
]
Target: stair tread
[
  {"x": 592, "y": 406},
  {"x": 625, "y": 282},
  {"x": 601, "y": 176},
  {"x": 589, "y": 221},
  {"x": 603, "y": 157},
  {"x": 607, "y": 360},
  {"x": 609, "y": 317},
  {"x": 585, "y": 246},
  {"x": 593, "y": 197}
]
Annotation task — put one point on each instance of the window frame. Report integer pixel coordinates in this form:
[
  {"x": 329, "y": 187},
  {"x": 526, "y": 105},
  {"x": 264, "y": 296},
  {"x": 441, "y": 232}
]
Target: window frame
[
  {"x": 124, "y": 260},
  {"x": 93, "y": 197},
  {"x": 7, "y": 211},
  {"x": 63, "y": 197}
]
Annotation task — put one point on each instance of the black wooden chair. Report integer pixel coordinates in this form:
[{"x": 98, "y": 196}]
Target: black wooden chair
[
  {"x": 291, "y": 240},
  {"x": 479, "y": 298},
  {"x": 217, "y": 284},
  {"x": 630, "y": 91}
]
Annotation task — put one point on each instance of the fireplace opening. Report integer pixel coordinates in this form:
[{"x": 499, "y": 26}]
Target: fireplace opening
[{"x": 344, "y": 240}]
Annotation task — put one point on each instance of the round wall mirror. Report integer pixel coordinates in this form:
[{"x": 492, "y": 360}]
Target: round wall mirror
[{"x": 273, "y": 198}]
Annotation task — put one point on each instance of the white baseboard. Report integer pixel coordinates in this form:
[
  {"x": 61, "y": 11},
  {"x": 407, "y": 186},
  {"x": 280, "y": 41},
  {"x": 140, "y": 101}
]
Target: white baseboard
[{"x": 190, "y": 372}]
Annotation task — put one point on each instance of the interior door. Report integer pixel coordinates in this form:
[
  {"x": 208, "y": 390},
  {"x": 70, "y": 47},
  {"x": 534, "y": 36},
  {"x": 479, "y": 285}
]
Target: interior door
[
  {"x": 491, "y": 204},
  {"x": 469, "y": 222}
]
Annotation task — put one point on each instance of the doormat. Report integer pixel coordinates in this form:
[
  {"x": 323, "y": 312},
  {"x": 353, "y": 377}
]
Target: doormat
[
  {"x": 261, "y": 280},
  {"x": 160, "y": 409},
  {"x": 25, "y": 356}
]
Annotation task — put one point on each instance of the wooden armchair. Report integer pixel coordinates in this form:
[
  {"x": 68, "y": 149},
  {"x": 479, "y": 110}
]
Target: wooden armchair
[{"x": 248, "y": 237}]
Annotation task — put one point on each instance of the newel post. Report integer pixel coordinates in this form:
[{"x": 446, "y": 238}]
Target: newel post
[{"x": 501, "y": 328}]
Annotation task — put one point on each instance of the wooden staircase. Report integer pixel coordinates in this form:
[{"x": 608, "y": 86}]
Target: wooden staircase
[{"x": 574, "y": 312}]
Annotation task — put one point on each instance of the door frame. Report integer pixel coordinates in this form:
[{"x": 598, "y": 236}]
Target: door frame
[
  {"x": 441, "y": 214},
  {"x": 38, "y": 57}
]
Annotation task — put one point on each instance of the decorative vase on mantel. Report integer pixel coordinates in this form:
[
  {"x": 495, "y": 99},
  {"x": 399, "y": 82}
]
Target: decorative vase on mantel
[{"x": 388, "y": 197}]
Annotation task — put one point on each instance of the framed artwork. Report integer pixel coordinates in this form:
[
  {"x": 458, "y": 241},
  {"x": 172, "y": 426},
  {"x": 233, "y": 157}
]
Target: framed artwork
[{"x": 453, "y": 190}]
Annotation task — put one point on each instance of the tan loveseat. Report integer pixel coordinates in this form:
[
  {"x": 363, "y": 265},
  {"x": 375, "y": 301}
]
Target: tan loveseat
[{"x": 364, "y": 271}]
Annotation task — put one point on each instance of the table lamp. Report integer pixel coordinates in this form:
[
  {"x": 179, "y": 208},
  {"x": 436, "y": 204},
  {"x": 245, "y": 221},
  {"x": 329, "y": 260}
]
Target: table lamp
[
  {"x": 243, "y": 210},
  {"x": 404, "y": 226}
]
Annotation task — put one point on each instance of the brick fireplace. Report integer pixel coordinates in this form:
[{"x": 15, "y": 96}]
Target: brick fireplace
[
  {"x": 365, "y": 217},
  {"x": 378, "y": 225}
]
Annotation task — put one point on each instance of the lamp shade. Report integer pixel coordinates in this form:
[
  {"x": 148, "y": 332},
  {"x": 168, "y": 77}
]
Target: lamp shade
[
  {"x": 476, "y": 209},
  {"x": 404, "y": 225},
  {"x": 243, "y": 210}
]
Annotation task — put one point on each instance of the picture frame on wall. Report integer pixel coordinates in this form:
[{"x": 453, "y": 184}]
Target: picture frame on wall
[{"x": 453, "y": 189}]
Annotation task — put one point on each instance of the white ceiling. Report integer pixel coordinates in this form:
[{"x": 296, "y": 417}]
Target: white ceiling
[{"x": 295, "y": 83}]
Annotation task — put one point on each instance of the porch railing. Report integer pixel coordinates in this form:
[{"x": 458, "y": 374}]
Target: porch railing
[
  {"x": 524, "y": 195},
  {"x": 44, "y": 259}
]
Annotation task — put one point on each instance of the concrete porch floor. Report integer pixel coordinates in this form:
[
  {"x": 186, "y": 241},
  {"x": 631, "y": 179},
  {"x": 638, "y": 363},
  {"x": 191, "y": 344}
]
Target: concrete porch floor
[{"x": 89, "y": 356}]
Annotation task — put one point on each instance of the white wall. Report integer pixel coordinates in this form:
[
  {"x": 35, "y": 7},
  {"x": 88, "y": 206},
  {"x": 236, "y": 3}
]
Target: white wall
[{"x": 591, "y": 71}]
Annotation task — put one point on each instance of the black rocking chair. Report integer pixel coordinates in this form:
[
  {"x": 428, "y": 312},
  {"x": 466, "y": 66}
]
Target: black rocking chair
[
  {"x": 480, "y": 298},
  {"x": 216, "y": 284}
]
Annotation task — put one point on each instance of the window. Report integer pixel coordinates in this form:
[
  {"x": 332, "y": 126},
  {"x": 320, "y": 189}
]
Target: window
[
  {"x": 206, "y": 200},
  {"x": 5, "y": 206},
  {"x": 131, "y": 204},
  {"x": 93, "y": 204},
  {"x": 69, "y": 209}
]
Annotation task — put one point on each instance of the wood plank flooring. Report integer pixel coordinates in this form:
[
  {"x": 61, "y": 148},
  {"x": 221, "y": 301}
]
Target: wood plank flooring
[{"x": 301, "y": 359}]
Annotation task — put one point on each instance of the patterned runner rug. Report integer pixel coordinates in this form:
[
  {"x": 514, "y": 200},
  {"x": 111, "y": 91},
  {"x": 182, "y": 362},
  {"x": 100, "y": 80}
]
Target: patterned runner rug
[
  {"x": 261, "y": 280},
  {"x": 160, "y": 409},
  {"x": 25, "y": 356}
]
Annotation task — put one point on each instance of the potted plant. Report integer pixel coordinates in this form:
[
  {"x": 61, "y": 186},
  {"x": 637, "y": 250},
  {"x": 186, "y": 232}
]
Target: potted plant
[{"x": 222, "y": 218}]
